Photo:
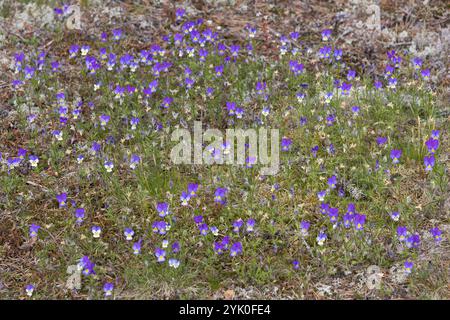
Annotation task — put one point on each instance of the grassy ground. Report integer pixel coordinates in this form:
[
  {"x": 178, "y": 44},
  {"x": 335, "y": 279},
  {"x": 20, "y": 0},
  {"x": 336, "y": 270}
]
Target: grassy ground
[{"x": 126, "y": 198}]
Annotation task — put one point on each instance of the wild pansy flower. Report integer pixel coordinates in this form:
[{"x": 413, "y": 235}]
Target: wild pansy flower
[
  {"x": 226, "y": 242},
  {"x": 324, "y": 208},
  {"x": 111, "y": 61},
  {"x": 104, "y": 119},
  {"x": 304, "y": 227},
  {"x": 429, "y": 162},
  {"x": 134, "y": 161},
  {"x": 162, "y": 208},
  {"x": 286, "y": 143},
  {"x": 108, "y": 289},
  {"x": 34, "y": 228},
  {"x": 29, "y": 72},
  {"x": 21, "y": 153},
  {"x": 179, "y": 13},
  {"x": 345, "y": 88},
  {"x": 34, "y": 160},
  {"x": 402, "y": 232},
  {"x": 54, "y": 66},
  {"x": 160, "y": 254},
  {"x": 260, "y": 87},
  {"x": 92, "y": 64},
  {"x": 327, "y": 97},
  {"x": 359, "y": 220},
  {"x": 57, "y": 134},
  {"x": 231, "y": 107},
  {"x": 165, "y": 243},
  {"x": 265, "y": 111},
  {"x": 79, "y": 215},
  {"x": 377, "y": 165},
  {"x": 160, "y": 227},
  {"x": 62, "y": 109},
  {"x": 117, "y": 34},
  {"x": 296, "y": 67},
  {"x": 337, "y": 54},
  {"x": 137, "y": 247},
  {"x": 395, "y": 215},
  {"x": 436, "y": 233},
  {"x": 174, "y": 263},
  {"x": 300, "y": 96},
  {"x": 333, "y": 214},
  {"x": 355, "y": 110},
  {"x": 95, "y": 148},
  {"x": 86, "y": 266},
  {"x": 295, "y": 264},
  {"x": 397, "y": 60},
  {"x": 63, "y": 121},
  {"x": 18, "y": 59},
  {"x": 381, "y": 140},
  {"x": 235, "y": 249},
  {"x": 330, "y": 120},
  {"x": 330, "y": 149},
  {"x": 80, "y": 158},
  {"x": 250, "y": 161},
  {"x": 134, "y": 122},
  {"x": 209, "y": 92},
  {"x": 251, "y": 225},
  {"x": 13, "y": 162},
  {"x": 218, "y": 247},
  {"x": 326, "y": 34},
  {"x": 351, "y": 75},
  {"x": 103, "y": 53},
  {"x": 220, "y": 194},
  {"x": 351, "y": 209},
  {"x": 435, "y": 134},
  {"x": 109, "y": 166},
  {"x": 184, "y": 198},
  {"x": 202, "y": 54},
  {"x": 417, "y": 63},
  {"x": 96, "y": 231},
  {"x": 303, "y": 121},
  {"x": 129, "y": 233},
  {"x": 237, "y": 225},
  {"x": 408, "y": 265},
  {"x": 392, "y": 83},
  {"x": 432, "y": 145},
  {"x": 413, "y": 241},
  {"x": 425, "y": 74},
  {"x": 378, "y": 85},
  {"x": 73, "y": 51},
  {"x": 189, "y": 83},
  {"x": 167, "y": 101},
  {"x": 152, "y": 86},
  {"x": 17, "y": 83},
  {"x": 119, "y": 92},
  {"x": 321, "y": 238},
  {"x": 76, "y": 113},
  {"x": 214, "y": 230},
  {"x": 347, "y": 219},
  {"x": 176, "y": 247},
  {"x": 203, "y": 228},
  {"x": 234, "y": 50},
  {"x": 321, "y": 195},
  {"x": 85, "y": 49},
  {"x": 61, "y": 198},
  {"x": 29, "y": 289},
  {"x": 192, "y": 189},
  {"x": 325, "y": 52},
  {"x": 332, "y": 181},
  {"x": 239, "y": 112},
  {"x": 198, "y": 219},
  {"x": 395, "y": 155}
]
